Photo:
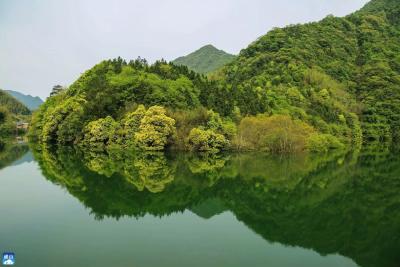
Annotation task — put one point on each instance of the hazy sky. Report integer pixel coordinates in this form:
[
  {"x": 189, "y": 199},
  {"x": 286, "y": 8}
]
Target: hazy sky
[{"x": 48, "y": 42}]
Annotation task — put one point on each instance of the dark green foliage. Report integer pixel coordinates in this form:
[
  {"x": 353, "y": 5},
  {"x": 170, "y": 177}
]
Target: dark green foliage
[{"x": 205, "y": 60}]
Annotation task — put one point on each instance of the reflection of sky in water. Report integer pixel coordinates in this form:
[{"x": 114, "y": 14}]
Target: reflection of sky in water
[{"x": 46, "y": 226}]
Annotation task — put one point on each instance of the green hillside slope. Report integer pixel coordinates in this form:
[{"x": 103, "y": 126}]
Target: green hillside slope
[
  {"x": 29, "y": 101},
  {"x": 205, "y": 60},
  {"x": 11, "y": 111},
  {"x": 350, "y": 64}
]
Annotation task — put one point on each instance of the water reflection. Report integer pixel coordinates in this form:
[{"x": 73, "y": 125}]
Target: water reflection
[
  {"x": 337, "y": 203},
  {"x": 10, "y": 152}
]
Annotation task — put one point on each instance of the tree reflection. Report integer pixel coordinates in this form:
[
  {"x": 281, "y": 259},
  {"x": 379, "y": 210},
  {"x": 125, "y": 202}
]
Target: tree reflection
[
  {"x": 10, "y": 152},
  {"x": 331, "y": 203}
]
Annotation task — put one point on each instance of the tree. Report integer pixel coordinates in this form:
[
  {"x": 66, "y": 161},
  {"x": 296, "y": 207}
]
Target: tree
[
  {"x": 57, "y": 89},
  {"x": 206, "y": 141},
  {"x": 100, "y": 133},
  {"x": 156, "y": 130}
]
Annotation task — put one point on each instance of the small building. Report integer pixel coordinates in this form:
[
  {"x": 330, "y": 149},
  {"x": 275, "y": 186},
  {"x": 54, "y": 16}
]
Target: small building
[{"x": 22, "y": 125}]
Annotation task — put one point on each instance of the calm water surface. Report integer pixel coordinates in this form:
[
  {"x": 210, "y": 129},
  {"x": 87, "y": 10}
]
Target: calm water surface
[{"x": 62, "y": 207}]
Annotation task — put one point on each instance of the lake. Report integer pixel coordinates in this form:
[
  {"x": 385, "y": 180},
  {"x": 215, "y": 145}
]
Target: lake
[{"x": 62, "y": 207}]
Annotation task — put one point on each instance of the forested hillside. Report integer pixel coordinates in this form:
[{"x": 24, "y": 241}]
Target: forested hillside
[
  {"x": 350, "y": 64},
  {"x": 205, "y": 60},
  {"x": 319, "y": 86},
  {"x": 11, "y": 110}
]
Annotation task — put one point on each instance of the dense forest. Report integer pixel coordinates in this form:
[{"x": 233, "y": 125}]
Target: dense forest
[
  {"x": 205, "y": 60},
  {"x": 314, "y": 87}
]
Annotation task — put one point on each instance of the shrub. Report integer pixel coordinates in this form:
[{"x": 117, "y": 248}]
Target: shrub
[
  {"x": 206, "y": 140},
  {"x": 131, "y": 123},
  {"x": 217, "y": 124},
  {"x": 186, "y": 120},
  {"x": 156, "y": 130},
  {"x": 323, "y": 143},
  {"x": 57, "y": 117},
  {"x": 277, "y": 133},
  {"x": 100, "y": 133}
]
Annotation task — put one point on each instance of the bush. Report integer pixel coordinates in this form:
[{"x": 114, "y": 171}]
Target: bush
[
  {"x": 100, "y": 133},
  {"x": 186, "y": 120},
  {"x": 223, "y": 126},
  {"x": 323, "y": 143},
  {"x": 156, "y": 130},
  {"x": 277, "y": 133},
  {"x": 131, "y": 123},
  {"x": 206, "y": 140},
  {"x": 57, "y": 117}
]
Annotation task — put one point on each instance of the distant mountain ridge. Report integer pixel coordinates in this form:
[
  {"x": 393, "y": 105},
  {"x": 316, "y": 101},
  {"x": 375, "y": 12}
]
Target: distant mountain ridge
[
  {"x": 30, "y": 101},
  {"x": 205, "y": 60},
  {"x": 12, "y": 104}
]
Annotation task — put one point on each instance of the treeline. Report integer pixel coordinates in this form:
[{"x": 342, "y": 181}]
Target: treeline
[{"x": 159, "y": 106}]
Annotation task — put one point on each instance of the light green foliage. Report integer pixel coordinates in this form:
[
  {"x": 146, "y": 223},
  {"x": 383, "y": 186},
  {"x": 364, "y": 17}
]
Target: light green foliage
[
  {"x": 131, "y": 123},
  {"x": 156, "y": 130},
  {"x": 59, "y": 117},
  {"x": 223, "y": 126},
  {"x": 278, "y": 133},
  {"x": 206, "y": 140},
  {"x": 323, "y": 143},
  {"x": 100, "y": 133}
]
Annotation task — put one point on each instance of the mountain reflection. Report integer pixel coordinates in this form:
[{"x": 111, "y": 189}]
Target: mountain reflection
[{"x": 337, "y": 203}]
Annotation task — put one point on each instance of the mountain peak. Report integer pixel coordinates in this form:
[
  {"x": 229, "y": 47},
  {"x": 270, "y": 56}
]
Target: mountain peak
[
  {"x": 209, "y": 46},
  {"x": 205, "y": 60}
]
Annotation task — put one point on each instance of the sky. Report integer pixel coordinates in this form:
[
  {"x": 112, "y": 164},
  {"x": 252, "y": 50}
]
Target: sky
[{"x": 49, "y": 42}]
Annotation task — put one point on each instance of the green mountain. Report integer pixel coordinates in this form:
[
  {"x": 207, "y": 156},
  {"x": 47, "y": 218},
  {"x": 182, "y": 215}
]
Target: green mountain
[
  {"x": 322, "y": 71},
  {"x": 29, "y": 101},
  {"x": 205, "y": 60}
]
